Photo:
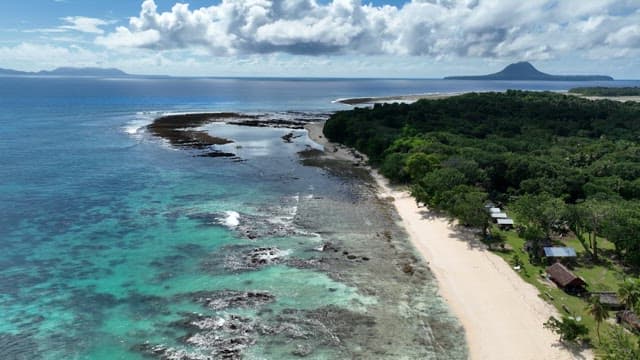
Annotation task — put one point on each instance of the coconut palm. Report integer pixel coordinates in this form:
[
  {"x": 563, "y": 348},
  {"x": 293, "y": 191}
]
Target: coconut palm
[
  {"x": 598, "y": 311},
  {"x": 629, "y": 293}
]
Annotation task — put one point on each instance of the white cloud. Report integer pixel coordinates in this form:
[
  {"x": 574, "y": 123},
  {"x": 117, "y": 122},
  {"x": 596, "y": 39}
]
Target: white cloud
[
  {"x": 84, "y": 24},
  {"x": 437, "y": 28},
  {"x": 33, "y": 56}
]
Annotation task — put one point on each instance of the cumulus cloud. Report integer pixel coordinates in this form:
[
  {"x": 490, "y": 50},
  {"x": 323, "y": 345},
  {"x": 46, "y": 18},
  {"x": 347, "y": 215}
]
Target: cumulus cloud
[
  {"x": 84, "y": 24},
  {"x": 436, "y": 28}
]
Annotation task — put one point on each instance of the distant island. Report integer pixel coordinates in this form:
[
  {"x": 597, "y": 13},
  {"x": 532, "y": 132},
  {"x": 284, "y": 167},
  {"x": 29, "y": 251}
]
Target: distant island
[
  {"x": 68, "y": 71},
  {"x": 525, "y": 71}
]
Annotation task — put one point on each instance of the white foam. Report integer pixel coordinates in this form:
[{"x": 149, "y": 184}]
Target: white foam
[
  {"x": 232, "y": 219},
  {"x": 139, "y": 122}
]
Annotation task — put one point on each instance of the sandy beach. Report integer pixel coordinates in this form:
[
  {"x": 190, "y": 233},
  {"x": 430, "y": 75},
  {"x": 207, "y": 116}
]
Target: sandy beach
[
  {"x": 393, "y": 99},
  {"x": 502, "y": 315}
]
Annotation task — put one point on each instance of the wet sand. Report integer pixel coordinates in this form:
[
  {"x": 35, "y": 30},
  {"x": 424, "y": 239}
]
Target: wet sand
[{"x": 502, "y": 315}]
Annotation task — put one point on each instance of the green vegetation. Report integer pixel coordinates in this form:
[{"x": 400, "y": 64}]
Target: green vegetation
[
  {"x": 563, "y": 162},
  {"x": 606, "y": 91},
  {"x": 619, "y": 345},
  {"x": 568, "y": 328},
  {"x": 566, "y": 168},
  {"x": 598, "y": 311}
]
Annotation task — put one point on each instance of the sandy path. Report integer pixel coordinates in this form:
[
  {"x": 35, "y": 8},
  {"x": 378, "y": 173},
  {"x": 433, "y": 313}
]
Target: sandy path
[{"x": 502, "y": 315}]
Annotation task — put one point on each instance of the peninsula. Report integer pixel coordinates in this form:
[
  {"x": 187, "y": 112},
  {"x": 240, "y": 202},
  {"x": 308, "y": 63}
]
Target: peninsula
[
  {"x": 68, "y": 71},
  {"x": 525, "y": 71}
]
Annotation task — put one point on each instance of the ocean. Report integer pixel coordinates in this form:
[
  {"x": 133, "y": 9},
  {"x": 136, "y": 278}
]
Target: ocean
[{"x": 117, "y": 245}]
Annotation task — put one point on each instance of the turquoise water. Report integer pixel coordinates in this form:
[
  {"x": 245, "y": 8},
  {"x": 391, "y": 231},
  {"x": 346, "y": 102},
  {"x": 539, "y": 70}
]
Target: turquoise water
[{"x": 109, "y": 236}]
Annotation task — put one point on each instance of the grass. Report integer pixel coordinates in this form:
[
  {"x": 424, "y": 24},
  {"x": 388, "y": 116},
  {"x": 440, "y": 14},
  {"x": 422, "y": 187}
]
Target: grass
[{"x": 599, "y": 277}]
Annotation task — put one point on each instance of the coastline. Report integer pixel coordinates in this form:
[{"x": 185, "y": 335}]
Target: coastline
[
  {"x": 502, "y": 314},
  {"x": 397, "y": 98},
  {"x": 408, "y": 99}
]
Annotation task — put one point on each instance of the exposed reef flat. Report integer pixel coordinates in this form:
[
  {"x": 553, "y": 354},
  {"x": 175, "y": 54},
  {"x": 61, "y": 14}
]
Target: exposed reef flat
[
  {"x": 185, "y": 130},
  {"x": 357, "y": 288}
]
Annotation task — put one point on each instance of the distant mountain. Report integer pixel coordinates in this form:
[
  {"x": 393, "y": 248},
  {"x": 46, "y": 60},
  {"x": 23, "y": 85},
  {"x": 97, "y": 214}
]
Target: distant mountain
[
  {"x": 526, "y": 71},
  {"x": 69, "y": 71},
  {"x": 12, "y": 72}
]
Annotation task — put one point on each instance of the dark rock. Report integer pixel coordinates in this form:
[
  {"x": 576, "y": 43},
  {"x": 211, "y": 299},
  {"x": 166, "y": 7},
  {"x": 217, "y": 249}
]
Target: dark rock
[
  {"x": 215, "y": 154},
  {"x": 408, "y": 269},
  {"x": 224, "y": 299},
  {"x": 288, "y": 137}
]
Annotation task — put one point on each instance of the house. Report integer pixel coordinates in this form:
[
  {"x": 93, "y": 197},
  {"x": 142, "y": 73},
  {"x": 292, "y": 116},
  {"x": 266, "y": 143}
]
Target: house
[
  {"x": 505, "y": 223},
  {"x": 559, "y": 252},
  {"x": 499, "y": 215},
  {"x": 495, "y": 210},
  {"x": 629, "y": 319},
  {"x": 565, "y": 279},
  {"x": 609, "y": 299}
]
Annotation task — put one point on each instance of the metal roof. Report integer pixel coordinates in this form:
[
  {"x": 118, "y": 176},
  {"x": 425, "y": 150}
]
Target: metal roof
[
  {"x": 559, "y": 252},
  {"x": 498, "y": 215},
  {"x": 506, "y": 221},
  {"x": 495, "y": 210}
]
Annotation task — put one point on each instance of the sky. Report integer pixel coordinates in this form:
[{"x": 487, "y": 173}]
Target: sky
[{"x": 332, "y": 38}]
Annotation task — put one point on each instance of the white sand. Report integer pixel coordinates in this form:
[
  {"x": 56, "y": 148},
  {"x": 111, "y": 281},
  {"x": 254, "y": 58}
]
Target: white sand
[{"x": 502, "y": 315}]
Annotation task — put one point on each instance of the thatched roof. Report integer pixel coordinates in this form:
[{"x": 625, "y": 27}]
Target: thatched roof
[
  {"x": 563, "y": 277},
  {"x": 608, "y": 298},
  {"x": 629, "y": 318}
]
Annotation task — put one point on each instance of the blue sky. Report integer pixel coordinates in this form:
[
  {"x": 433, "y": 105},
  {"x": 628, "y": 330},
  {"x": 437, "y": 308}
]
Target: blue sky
[{"x": 378, "y": 38}]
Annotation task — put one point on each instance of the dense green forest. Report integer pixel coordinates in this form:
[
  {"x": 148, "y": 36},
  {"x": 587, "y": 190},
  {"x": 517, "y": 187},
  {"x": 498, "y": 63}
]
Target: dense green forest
[
  {"x": 606, "y": 91},
  {"x": 561, "y": 163}
]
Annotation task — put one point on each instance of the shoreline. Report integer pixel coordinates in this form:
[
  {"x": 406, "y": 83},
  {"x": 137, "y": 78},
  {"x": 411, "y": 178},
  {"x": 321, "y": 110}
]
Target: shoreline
[
  {"x": 501, "y": 314},
  {"x": 411, "y": 98},
  {"x": 408, "y": 99}
]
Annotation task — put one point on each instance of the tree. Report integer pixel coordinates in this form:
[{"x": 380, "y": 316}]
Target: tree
[
  {"x": 589, "y": 217},
  {"x": 543, "y": 211},
  {"x": 622, "y": 228},
  {"x": 629, "y": 293},
  {"x": 467, "y": 204},
  {"x": 618, "y": 345},
  {"x": 569, "y": 329},
  {"x": 598, "y": 311},
  {"x": 419, "y": 164},
  {"x": 496, "y": 237}
]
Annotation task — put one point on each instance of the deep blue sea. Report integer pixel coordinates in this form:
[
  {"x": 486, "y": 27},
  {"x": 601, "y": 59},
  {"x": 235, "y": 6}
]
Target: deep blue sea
[{"x": 114, "y": 245}]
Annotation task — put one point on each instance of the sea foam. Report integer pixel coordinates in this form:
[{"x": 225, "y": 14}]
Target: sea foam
[{"x": 232, "y": 219}]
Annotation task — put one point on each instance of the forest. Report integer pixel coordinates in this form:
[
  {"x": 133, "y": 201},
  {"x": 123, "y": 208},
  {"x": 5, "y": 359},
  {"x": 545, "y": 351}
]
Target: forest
[
  {"x": 563, "y": 163},
  {"x": 567, "y": 169},
  {"x": 606, "y": 91}
]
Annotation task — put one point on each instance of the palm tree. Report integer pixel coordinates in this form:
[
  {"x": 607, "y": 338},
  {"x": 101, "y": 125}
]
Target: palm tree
[
  {"x": 598, "y": 311},
  {"x": 629, "y": 293}
]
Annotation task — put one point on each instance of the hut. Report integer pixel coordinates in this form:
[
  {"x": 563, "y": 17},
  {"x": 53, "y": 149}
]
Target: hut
[
  {"x": 498, "y": 215},
  {"x": 609, "y": 299},
  {"x": 505, "y": 223},
  {"x": 557, "y": 253},
  {"x": 565, "y": 279},
  {"x": 629, "y": 319}
]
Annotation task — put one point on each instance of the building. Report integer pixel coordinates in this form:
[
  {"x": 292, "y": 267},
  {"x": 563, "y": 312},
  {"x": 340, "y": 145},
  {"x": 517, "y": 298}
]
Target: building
[
  {"x": 505, "y": 223},
  {"x": 629, "y": 319},
  {"x": 565, "y": 279},
  {"x": 609, "y": 299},
  {"x": 559, "y": 252}
]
